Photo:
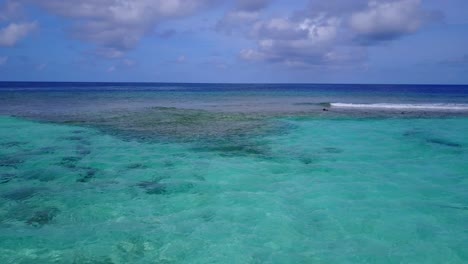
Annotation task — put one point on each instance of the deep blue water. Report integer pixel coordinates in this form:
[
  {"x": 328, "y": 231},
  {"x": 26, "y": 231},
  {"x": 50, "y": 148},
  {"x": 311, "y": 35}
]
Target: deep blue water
[{"x": 222, "y": 87}]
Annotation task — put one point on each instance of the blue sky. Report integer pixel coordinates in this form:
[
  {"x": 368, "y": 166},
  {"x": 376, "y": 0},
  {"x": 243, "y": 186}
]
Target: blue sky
[{"x": 314, "y": 41}]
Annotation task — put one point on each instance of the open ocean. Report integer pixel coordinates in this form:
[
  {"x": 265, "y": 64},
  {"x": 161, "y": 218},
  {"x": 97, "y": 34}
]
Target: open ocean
[{"x": 233, "y": 173}]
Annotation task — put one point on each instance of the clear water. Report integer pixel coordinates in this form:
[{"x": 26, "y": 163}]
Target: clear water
[{"x": 231, "y": 176}]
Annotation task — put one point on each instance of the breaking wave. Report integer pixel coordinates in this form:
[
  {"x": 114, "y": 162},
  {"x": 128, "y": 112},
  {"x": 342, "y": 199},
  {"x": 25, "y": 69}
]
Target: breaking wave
[{"x": 435, "y": 107}]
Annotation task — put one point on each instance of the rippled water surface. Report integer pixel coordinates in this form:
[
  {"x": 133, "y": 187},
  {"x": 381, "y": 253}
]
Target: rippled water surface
[{"x": 175, "y": 174}]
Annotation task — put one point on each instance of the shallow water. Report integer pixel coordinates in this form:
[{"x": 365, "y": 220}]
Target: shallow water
[{"x": 173, "y": 185}]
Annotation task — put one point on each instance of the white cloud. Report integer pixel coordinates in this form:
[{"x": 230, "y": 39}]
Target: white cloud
[{"x": 14, "y": 32}]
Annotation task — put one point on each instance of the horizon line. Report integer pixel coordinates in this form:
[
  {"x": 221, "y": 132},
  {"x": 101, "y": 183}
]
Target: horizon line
[{"x": 233, "y": 83}]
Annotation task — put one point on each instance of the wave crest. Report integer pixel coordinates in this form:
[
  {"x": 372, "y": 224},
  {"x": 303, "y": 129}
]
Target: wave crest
[{"x": 435, "y": 107}]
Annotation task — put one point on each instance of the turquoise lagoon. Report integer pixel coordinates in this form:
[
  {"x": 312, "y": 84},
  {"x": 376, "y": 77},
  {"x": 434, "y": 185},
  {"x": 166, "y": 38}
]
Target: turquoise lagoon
[{"x": 256, "y": 176}]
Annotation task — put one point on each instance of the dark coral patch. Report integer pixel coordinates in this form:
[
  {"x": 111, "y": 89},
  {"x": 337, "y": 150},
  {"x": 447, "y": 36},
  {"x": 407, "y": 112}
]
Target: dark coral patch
[
  {"x": 152, "y": 187},
  {"x": 75, "y": 138},
  {"x": 69, "y": 162},
  {"x": 332, "y": 150},
  {"x": 137, "y": 166},
  {"x": 82, "y": 151},
  {"x": 306, "y": 160},
  {"x": 8, "y": 161},
  {"x": 46, "y": 150},
  {"x": 43, "y": 175},
  {"x": 87, "y": 174},
  {"x": 444, "y": 142},
  {"x": 43, "y": 217},
  {"x": 412, "y": 133},
  {"x": 6, "y": 177},
  {"x": 21, "y": 194},
  {"x": 12, "y": 144}
]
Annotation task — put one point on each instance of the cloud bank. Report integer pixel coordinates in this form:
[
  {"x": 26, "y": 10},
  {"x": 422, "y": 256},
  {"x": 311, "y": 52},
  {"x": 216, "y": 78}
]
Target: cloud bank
[
  {"x": 117, "y": 26},
  {"x": 332, "y": 32}
]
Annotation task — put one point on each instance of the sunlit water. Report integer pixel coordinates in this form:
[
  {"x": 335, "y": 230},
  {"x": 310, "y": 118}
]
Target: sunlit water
[{"x": 262, "y": 176}]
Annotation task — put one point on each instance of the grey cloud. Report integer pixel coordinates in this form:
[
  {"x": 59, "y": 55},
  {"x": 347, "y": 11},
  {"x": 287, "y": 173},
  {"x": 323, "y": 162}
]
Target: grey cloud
[
  {"x": 11, "y": 34},
  {"x": 251, "y": 5},
  {"x": 117, "y": 26},
  {"x": 244, "y": 13},
  {"x": 382, "y": 21},
  {"x": 168, "y": 33},
  {"x": 110, "y": 53},
  {"x": 10, "y": 10},
  {"x": 236, "y": 20},
  {"x": 334, "y": 7},
  {"x": 279, "y": 28},
  {"x": 309, "y": 41},
  {"x": 325, "y": 32}
]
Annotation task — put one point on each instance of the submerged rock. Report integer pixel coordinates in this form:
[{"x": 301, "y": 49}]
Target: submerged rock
[
  {"x": 180, "y": 124},
  {"x": 199, "y": 177},
  {"x": 21, "y": 193},
  {"x": 79, "y": 139},
  {"x": 69, "y": 162},
  {"x": 43, "y": 217},
  {"x": 75, "y": 138},
  {"x": 82, "y": 151},
  {"x": 12, "y": 144},
  {"x": 6, "y": 177},
  {"x": 87, "y": 175},
  {"x": 137, "y": 166},
  {"x": 412, "y": 133},
  {"x": 332, "y": 150},
  {"x": 152, "y": 187},
  {"x": 444, "y": 142},
  {"x": 432, "y": 140},
  {"x": 43, "y": 175},
  {"x": 306, "y": 160},
  {"x": 168, "y": 186},
  {"x": 92, "y": 260},
  {"x": 12, "y": 162},
  {"x": 236, "y": 149},
  {"x": 46, "y": 150},
  {"x": 457, "y": 207}
]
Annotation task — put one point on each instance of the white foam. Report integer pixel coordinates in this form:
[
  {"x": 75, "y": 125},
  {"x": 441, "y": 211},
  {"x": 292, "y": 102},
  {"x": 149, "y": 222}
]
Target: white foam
[{"x": 453, "y": 107}]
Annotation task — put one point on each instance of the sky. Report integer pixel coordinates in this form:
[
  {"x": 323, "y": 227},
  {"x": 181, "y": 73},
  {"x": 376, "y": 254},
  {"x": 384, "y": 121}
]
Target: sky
[{"x": 237, "y": 41}]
